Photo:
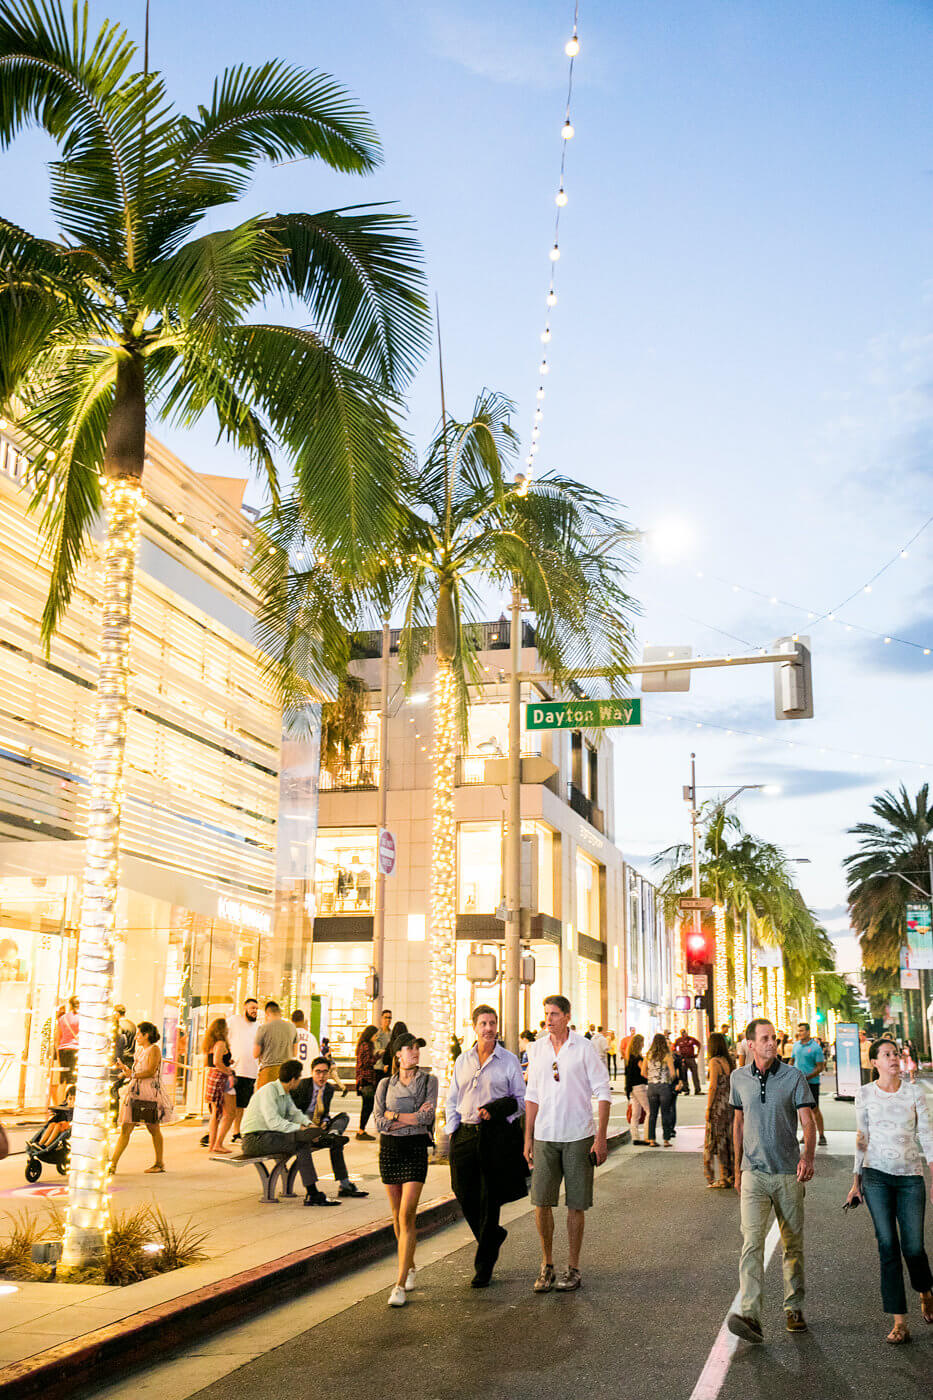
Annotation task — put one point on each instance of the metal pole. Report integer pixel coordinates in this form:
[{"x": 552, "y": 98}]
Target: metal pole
[
  {"x": 382, "y": 804},
  {"x": 923, "y": 975},
  {"x": 697, "y": 914},
  {"x": 513, "y": 861},
  {"x": 749, "y": 985}
]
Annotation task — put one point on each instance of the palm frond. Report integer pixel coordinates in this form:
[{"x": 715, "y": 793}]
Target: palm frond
[{"x": 359, "y": 271}]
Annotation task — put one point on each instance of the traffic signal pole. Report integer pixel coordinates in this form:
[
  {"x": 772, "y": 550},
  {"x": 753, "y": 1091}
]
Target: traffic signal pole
[{"x": 695, "y": 855}]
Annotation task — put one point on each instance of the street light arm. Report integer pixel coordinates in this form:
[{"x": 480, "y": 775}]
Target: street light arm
[{"x": 884, "y": 875}]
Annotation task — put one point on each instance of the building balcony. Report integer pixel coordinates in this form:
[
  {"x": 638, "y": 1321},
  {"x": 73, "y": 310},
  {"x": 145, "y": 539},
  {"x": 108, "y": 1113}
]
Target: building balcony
[
  {"x": 585, "y": 808},
  {"x": 355, "y": 777}
]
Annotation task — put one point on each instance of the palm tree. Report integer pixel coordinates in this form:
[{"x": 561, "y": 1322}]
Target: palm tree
[
  {"x": 464, "y": 526},
  {"x": 893, "y": 855},
  {"x": 134, "y": 310},
  {"x": 748, "y": 878}
]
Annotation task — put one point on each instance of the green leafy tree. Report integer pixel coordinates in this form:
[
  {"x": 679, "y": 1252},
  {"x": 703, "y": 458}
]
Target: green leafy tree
[
  {"x": 136, "y": 311},
  {"x": 890, "y": 868},
  {"x": 465, "y": 526}
]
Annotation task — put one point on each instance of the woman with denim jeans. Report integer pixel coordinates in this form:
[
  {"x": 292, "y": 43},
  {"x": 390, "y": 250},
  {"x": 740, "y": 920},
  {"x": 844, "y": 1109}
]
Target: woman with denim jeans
[
  {"x": 658, "y": 1068},
  {"x": 891, "y": 1120}
]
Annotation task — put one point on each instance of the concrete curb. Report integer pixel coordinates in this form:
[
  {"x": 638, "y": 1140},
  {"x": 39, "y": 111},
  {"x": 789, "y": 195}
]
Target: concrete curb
[{"x": 59, "y": 1372}]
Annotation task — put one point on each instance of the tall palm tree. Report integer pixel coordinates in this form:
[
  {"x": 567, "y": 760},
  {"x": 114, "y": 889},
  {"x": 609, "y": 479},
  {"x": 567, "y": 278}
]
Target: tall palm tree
[
  {"x": 465, "y": 526},
  {"x": 890, "y": 868},
  {"x": 748, "y": 878},
  {"x": 136, "y": 310}
]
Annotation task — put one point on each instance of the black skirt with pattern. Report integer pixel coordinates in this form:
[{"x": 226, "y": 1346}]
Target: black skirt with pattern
[{"x": 403, "y": 1159}]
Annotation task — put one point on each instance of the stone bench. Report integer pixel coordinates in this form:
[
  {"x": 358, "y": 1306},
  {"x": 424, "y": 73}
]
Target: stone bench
[{"x": 284, "y": 1170}]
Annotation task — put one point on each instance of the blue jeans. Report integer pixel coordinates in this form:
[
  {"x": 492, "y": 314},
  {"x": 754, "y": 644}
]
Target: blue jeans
[
  {"x": 897, "y": 1205},
  {"x": 660, "y": 1096}
]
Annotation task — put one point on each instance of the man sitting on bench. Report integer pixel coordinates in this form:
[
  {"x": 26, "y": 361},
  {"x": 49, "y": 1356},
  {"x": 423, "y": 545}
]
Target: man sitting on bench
[
  {"x": 273, "y": 1124},
  {"x": 313, "y": 1097}
]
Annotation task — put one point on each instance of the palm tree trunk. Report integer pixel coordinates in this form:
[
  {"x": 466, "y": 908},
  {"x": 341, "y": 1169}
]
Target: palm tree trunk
[
  {"x": 443, "y": 938},
  {"x": 88, "y": 1218}
]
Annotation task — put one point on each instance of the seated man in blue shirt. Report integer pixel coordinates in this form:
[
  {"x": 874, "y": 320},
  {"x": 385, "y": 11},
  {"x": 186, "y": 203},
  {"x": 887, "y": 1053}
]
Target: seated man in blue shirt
[
  {"x": 809, "y": 1058},
  {"x": 273, "y": 1123},
  {"x": 487, "y": 1168},
  {"x": 313, "y": 1096}
]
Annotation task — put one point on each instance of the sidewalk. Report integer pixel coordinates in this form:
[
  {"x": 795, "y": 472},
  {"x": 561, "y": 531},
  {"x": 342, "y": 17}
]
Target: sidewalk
[
  {"x": 242, "y": 1233},
  {"x": 249, "y": 1244}
]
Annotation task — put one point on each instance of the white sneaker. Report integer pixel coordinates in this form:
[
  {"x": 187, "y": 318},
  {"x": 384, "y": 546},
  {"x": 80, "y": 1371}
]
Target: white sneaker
[
  {"x": 410, "y": 1281},
  {"x": 398, "y": 1297}
]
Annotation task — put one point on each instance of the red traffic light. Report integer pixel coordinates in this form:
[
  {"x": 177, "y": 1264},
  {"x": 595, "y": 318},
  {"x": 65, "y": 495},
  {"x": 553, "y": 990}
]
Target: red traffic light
[{"x": 700, "y": 950}]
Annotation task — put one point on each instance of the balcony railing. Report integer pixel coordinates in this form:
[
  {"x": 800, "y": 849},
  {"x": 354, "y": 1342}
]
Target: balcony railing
[
  {"x": 471, "y": 767},
  {"x": 585, "y": 807},
  {"x": 354, "y": 778}
]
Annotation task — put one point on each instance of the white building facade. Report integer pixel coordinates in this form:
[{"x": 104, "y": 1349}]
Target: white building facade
[{"x": 576, "y": 887}]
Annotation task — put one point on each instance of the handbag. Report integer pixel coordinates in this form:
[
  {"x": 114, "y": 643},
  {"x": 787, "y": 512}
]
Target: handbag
[{"x": 142, "y": 1110}]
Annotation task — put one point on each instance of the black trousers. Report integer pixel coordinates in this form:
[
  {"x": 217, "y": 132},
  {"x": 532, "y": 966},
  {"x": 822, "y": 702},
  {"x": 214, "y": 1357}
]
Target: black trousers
[{"x": 472, "y": 1189}]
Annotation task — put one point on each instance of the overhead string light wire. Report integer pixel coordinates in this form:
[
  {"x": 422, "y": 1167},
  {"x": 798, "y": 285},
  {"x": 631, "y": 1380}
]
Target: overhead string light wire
[{"x": 571, "y": 49}]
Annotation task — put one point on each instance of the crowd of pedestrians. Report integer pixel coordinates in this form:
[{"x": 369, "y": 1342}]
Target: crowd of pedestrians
[{"x": 520, "y": 1123}]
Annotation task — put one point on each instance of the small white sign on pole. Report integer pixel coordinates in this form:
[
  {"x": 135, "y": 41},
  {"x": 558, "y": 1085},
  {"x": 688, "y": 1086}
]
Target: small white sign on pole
[{"x": 386, "y": 852}]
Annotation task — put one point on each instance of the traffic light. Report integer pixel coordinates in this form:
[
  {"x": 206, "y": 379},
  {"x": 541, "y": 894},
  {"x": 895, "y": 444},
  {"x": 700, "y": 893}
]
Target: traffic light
[
  {"x": 793, "y": 682},
  {"x": 699, "y": 952}
]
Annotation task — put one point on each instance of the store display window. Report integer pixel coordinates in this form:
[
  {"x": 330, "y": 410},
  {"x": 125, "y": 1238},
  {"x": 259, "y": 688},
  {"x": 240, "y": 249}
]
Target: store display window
[
  {"x": 345, "y": 863},
  {"x": 479, "y": 867},
  {"x": 588, "y": 901}
]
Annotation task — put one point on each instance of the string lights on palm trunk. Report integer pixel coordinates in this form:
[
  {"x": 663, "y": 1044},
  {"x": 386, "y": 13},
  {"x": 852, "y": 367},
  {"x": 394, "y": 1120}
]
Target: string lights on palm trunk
[{"x": 571, "y": 49}]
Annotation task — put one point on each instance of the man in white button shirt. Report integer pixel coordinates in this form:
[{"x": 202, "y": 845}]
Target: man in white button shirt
[{"x": 565, "y": 1074}]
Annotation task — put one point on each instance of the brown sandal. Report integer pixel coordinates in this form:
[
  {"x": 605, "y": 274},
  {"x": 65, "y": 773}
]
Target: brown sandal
[
  {"x": 926, "y": 1306},
  {"x": 898, "y": 1334}
]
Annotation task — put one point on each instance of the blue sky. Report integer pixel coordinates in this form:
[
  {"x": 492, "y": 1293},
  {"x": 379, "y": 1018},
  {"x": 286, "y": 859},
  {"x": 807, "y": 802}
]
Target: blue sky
[{"x": 743, "y": 342}]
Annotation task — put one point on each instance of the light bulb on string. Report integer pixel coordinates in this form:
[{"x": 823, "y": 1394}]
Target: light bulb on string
[
  {"x": 554, "y": 254},
  {"x": 546, "y": 335},
  {"x": 572, "y": 46},
  {"x": 543, "y": 368},
  {"x": 566, "y": 130},
  {"x": 551, "y": 297},
  {"x": 560, "y": 199}
]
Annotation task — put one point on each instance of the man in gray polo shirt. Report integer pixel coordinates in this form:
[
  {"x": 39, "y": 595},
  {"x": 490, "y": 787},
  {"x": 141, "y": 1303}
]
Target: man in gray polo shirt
[{"x": 768, "y": 1096}]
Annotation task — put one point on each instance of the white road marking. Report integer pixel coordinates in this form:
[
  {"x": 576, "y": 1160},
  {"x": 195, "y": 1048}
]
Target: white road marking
[{"x": 723, "y": 1349}]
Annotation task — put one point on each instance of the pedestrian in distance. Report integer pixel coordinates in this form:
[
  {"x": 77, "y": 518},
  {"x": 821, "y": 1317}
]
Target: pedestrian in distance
[
  {"x": 220, "y": 1091},
  {"x": 659, "y": 1071},
  {"x": 404, "y": 1112},
  {"x": 561, "y": 1143},
  {"x": 383, "y": 1035},
  {"x": 809, "y": 1058},
  {"x": 717, "y": 1145},
  {"x": 626, "y": 1042},
  {"x": 636, "y": 1087},
  {"x": 367, "y": 1077},
  {"x": 242, "y": 1038},
  {"x": 726, "y": 1033},
  {"x": 687, "y": 1047},
  {"x": 487, "y": 1165},
  {"x": 306, "y": 1044},
  {"x": 65, "y": 1042},
  {"x": 612, "y": 1055},
  {"x": 399, "y": 1032},
  {"x": 601, "y": 1045},
  {"x": 276, "y": 1041},
  {"x": 892, "y": 1131},
  {"x": 145, "y": 1101},
  {"x": 768, "y": 1098},
  {"x": 313, "y": 1096},
  {"x": 525, "y": 1042},
  {"x": 273, "y": 1123}
]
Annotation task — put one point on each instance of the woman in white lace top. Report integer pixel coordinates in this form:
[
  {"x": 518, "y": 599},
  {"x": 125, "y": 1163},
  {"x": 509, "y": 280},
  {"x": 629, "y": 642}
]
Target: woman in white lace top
[{"x": 892, "y": 1131}]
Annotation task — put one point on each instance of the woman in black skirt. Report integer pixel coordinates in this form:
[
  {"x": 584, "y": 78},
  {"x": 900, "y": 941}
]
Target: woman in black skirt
[{"x": 404, "y": 1109}]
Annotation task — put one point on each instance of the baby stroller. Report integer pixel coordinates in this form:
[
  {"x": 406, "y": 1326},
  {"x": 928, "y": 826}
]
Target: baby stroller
[{"x": 55, "y": 1153}]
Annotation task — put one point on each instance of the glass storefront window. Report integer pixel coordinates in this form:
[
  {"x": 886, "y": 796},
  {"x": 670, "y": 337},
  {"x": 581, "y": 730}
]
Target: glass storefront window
[
  {"x": 587, "y": 873},
  {"x": 345, "y": 863},
  {"x": 338, "y": 977},
  {"x": 479, "y": 867}
]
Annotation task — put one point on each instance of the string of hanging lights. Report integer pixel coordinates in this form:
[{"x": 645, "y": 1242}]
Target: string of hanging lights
[{"x": 571, "y": 49}]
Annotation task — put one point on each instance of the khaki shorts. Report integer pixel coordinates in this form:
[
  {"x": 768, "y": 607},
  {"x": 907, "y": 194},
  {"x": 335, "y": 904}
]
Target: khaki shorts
[{"x": 563, "y": 1161}]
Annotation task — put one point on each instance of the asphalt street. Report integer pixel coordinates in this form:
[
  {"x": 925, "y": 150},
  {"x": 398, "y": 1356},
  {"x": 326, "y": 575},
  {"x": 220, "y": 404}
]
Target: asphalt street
[{"x": 660, "y": 1273}]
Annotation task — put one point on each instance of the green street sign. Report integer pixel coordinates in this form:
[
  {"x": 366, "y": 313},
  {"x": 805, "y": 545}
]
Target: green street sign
[{"x": 582, "y": 714}]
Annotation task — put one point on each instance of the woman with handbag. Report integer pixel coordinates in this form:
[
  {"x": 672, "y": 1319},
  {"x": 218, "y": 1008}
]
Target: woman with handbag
[
  {"x": 221, "y": 1085},
  {"x": 144, "y": 1101},
  {"x": 893, "y": 1135}
]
